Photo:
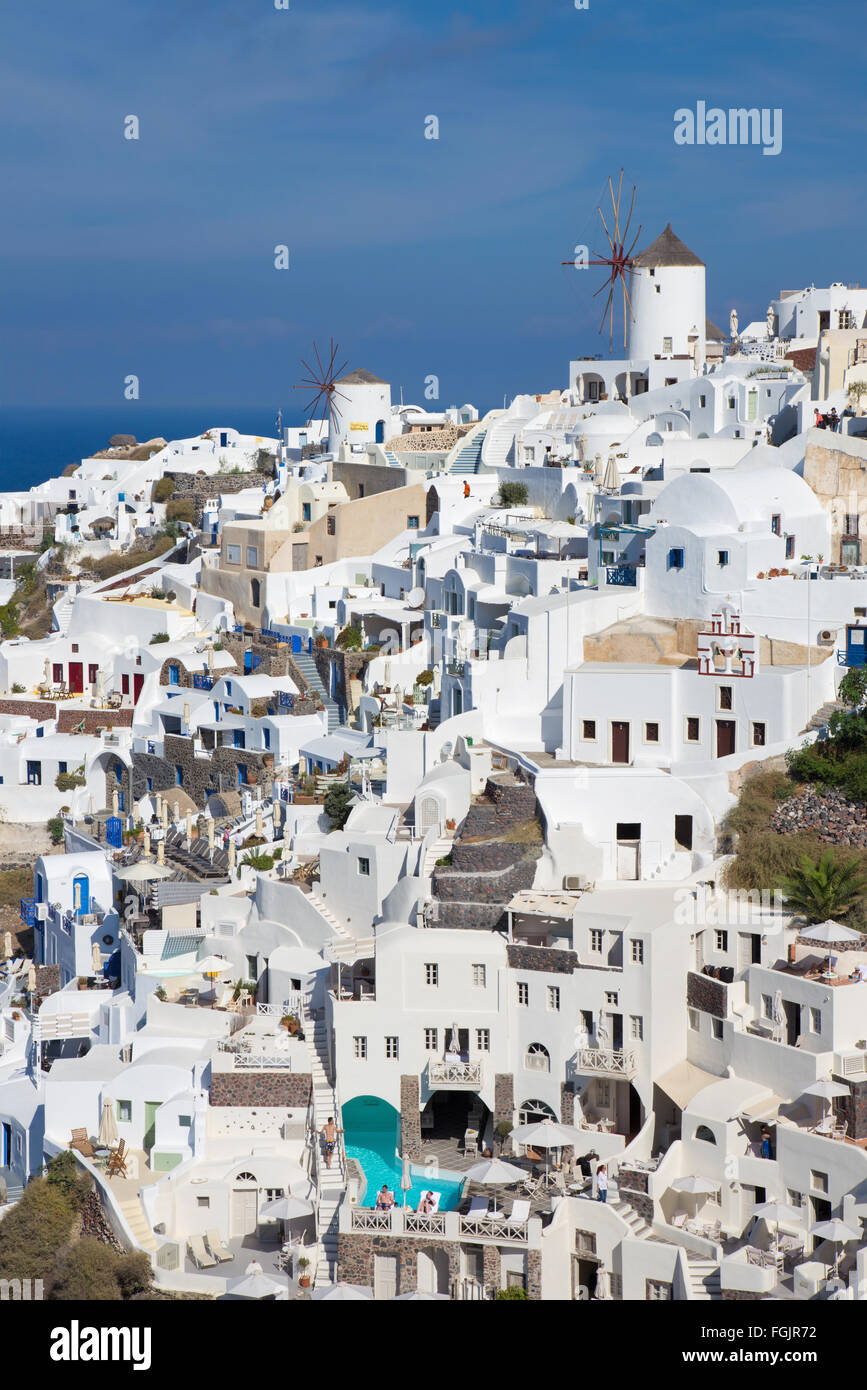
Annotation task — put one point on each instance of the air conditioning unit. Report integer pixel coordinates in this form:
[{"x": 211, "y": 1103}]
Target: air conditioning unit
[
  {"x": 826, "y": 636},
  {"x": 42, "y": 912},
  {"x": 851, "y": 1063},
  {"x": 575, "y": 883}
]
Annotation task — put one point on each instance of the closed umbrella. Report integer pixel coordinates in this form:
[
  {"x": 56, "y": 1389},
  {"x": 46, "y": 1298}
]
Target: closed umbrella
[
  {"x": 779, "y": 1016},
  {"x": 454, "y": 1039},
  {"x": 107, "y": 1135},
  {"x": 405, "y": 1177},
  {"x": 611, "y": 480}
]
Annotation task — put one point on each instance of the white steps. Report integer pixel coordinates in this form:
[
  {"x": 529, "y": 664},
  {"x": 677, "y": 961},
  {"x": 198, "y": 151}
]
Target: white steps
[
  {"x": 331, "y": 1181},
  {"x": 704, "y": 1278},
  {"x": 638, "y": 1227},
  {"x": 438, "y": 850},
  {"x": 134, "y": 1217}
]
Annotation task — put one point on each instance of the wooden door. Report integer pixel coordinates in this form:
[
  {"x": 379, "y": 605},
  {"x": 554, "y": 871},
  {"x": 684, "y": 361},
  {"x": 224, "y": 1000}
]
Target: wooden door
[
  {"x": 137, "y": 683},
  {"x": 725, "y": 737},
  {"x": 619, "y": 741},
  {"x": 76, "y": 677}
]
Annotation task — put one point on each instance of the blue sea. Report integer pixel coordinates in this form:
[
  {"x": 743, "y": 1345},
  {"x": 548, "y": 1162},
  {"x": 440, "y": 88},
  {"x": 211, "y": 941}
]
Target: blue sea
[{"x": 36, "y": 443}]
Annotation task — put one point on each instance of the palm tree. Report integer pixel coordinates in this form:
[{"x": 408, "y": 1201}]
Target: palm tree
[{"x": 825, "y": 889}]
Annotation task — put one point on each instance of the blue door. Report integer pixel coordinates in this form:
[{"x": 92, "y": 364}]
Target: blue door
[
  {"x": 6, "y": 1145},
  {"x": 296, "y": 643},
  {"x": 81, "y": 893},
  {"x": 173, "y": 675}
]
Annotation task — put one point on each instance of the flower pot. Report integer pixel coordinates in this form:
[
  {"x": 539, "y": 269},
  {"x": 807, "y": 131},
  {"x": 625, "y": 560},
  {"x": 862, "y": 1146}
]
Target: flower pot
[{"x": 304, "y": 1281}]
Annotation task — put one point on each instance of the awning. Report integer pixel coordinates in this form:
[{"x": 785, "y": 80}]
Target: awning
[
  {"x": 684, "y": 1081},
  {"x": 763, "y": 1109}
]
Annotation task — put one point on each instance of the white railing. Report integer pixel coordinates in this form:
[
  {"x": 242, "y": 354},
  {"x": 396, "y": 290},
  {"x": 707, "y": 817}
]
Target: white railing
[
  {"x": 289, "y": 1006},
  {"x": 604, "y": 1059},
  {"x": 62, "y": 1026},
  {"x": 416, "y": 1223},
  {"x": 262, "y": 1061},
  {"x": 366, "y": 1219},
  {"x": 455, "y": 1074},
  {"x": 494, "y": 1228}
]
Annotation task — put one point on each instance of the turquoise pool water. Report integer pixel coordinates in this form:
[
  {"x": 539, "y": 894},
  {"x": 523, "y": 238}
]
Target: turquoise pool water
[{"x": 375, "y": 1152}]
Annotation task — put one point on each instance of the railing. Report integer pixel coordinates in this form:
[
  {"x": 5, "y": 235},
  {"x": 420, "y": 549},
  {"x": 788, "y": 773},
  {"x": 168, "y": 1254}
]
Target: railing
[
  {"x": 27, "y": 911},
  {"x": 202, "y": 682},
  {"x": 366, "y": 1219},
  {"x": 469, "y": 1290},
  {"x": 262, "y": 1061},
  {"x": 285, "y": 699},
  {"x": 417, "y": 1224},
  {"x": 621, "y": 574},
  {"x": 455, "y": 668},
  {"x": 455, "y": 1074},
  {"x": 494, "y": 1228},
  {"x": 603, "y": 1059},
  {"x": 289, "y": 1006}
]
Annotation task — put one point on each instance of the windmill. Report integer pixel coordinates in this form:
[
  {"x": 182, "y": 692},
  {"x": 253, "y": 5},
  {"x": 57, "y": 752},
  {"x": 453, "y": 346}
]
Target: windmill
[
  {"x": 618, "y": 262},
  {"x": 322, "y": 380}
]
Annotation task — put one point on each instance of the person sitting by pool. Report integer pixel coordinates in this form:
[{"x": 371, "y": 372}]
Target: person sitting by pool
[
  {"x": 384, "y": 1199},
  {"x": 428, "y": 1204}
]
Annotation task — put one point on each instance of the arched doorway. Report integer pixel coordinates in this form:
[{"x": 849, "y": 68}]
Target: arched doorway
[
  {"x": 245, "y": 1205},
  {"x": 533, "y": 1112},
  {"x": 380, "y": 431},
  {"x": 429, "y": 814}
]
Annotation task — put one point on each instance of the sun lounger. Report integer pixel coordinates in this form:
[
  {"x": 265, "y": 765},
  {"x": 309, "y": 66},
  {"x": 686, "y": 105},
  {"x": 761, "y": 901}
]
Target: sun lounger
[
  {"x": 478, "y": 1206},
  {"x": 217, "y": 1246},
  {"x": 81, "y": 1142},
  {"x": 199, "y": 1253},
  {"x": 519, "y": 1214}
]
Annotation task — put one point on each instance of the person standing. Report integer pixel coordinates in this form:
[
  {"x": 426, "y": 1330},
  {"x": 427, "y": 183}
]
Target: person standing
[
  {"x": 601, "y": 1183},
  {"x": 330, "y": 1132}
]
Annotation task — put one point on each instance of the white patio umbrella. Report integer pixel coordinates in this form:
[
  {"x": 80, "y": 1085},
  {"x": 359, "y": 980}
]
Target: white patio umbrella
[
  {"x": 107, "y": 1135},
  {"x": 546, "y": 1134},
  {"x": 837, "y": 1232},
  {"x": 286, "y": 1209},
  {"x": 777, "y": 1212},
  {"x": 603, "y": 1286},
  {"x": 255, "y": 1286},
  {"x": 826, "y": 1090},
  {"x": 342, "y": 1293},
  {"x": 496, "y": 1173},
  {"x": 693, "y": 1186},
  {"x": 830, "y": 934},
  {"x": 421, "y": 1296},
  {"x": 212, "y": 967},
  {"x": 779, "y": 1016}
]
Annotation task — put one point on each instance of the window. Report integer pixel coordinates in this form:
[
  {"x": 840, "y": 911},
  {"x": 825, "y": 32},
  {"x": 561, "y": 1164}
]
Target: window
[
  {"x": 851, "y": 524},
  {"x": 61, "y": 767},
  {"x": 716, "y": 1028},
  {"x": 611, "y": 997},
  {"x": 702, "y": 400},
  {"x": 233, "y": 555},
  {"x": 228, "y": 687},
  {"x": 651, "y": 733},
  {"x": 523, "y": 993},
  {"x": 305, "y": 511},
  {"x": 758, "y": 735},
  {"x": 185, "y": 1121},
  {"x": 693, "y": 1018},
  {"x": 722, "y": 558},
  {"x": 655, "y": 1291},
  {"x": 675, "y": 559},
  {"x": 706, "y": 1135},
  {"x": 636, "y": 1027},
  {"x": 479, "y": 976},
  {"x": 693, "y": 728},
  {"x": 554, "y": 998},
  {"x": 725, "y": 697},
  {"x": 392, "y": 1049},
  {"x": 330, "y": 524},
  {"x": 431, "y": 974},
  {"x": 794, "y": 1198},
  {"x": 252, "y": 556},
  {"x": 790, "y": 547},
  {"x": 666, "y": 345},
  {"x": 767, "y": 1006},
  {"x": 266, "y": 738},
  {"x": 585, "y": 1242},
  {"x": 818, "y": 1181},
  {"x": 595, "y": 939},
  {"x": 179, "y": 775},
  {"x": 92, "y": 672},
  {"x": 483, "y": 1039},
  {"x": 412, "y": 523},
  {"x": 203, "y": 1201},
  {"x": 252, "y": 967},
  {"x": 255, "y": 593},
  {"x": 731, "y": 402},
  {"x": 537, "y": 1058},
  {"x": 430, "y": 1039},
  {"x": 637, "y": 951},
  {"x": 124, "y": 1112},
  {"x": 364, "y": 867},
  {"x": 124, "y": 684},
  {"x": 721, "y": 940},
  {"x": 815, "y": 1020},
  {"x": 776, "y": 520},
  {"x": 359, "y": 1048},
  {"x": 588, "y": 728}
]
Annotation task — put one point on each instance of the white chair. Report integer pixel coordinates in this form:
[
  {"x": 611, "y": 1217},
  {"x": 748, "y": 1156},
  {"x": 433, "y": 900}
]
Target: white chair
[{"x": 519, "y": 1214}]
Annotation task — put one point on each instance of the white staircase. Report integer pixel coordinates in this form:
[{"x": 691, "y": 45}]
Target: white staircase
[
  {"x": 704, "y": 1278},
  {"x": 438, "y": 850},
  {"x": 331, "y": 1181},
  {"x": 498, "y": 450},
  {"x": 638, "y": 1227},
  {"x": 133, "y": 1215},
  {"x": 63, "y": 614}
]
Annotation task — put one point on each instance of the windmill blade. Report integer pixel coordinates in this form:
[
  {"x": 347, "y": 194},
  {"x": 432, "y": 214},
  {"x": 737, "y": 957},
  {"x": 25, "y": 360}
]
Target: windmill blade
[
  {"x": 606, "y": 284},
  {"x": 605, "y": 225},
  {"x": 607, "y": 307},
  {"x": 628, "y": 300},
  {"x": 634, "y": 241},
  {"x": 629, "y": 218},
  {"x": 616, "y": 206}
]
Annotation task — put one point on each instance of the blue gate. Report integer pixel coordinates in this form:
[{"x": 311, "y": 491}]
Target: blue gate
[{"x": 114, "y": 831}]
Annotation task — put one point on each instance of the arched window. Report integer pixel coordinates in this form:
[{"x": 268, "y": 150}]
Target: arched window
[
  {"x": 705, "y": 1134},
  {"x": 255, "y": 591},
  {"x": 245, "y": 1177},
  {"x": 534, "y": 1111},
  {"x": 537, "y": 1057}
]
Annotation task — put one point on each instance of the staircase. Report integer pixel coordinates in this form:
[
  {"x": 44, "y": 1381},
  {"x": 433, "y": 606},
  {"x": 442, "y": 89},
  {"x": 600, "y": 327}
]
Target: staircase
[
  {"x": 63, "y": 614},
  {"x": 392, "y": 458},
  {"x": 438, "y": 850},
  {"x": 331, "y": 1181},
  {"x": 307, "y": 666},
  {"x": 469, "y": 457},
  {"x": 704, "y": 1278},
  {"x": 821, "y": 717},
  {"x": 135, "y": 1219},
  {"x": 638, "y": 1227},
  {"x": 500, "y": 444},
  {"x": 434, "y": 712}
]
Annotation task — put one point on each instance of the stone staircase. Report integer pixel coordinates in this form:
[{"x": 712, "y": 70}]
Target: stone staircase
[
  {"x": 331, "y": 1181},
  {"x": 469, "y": 456},
  {"x": 822, "y": 715},
  {"x": 638, "y": 1227},
  {"x": 133, "y": 1215},
  {"x": 307, "y": 666}
]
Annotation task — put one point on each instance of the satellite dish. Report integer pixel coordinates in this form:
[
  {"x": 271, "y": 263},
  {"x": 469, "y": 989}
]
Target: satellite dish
[{"x": 415, "y": 597}]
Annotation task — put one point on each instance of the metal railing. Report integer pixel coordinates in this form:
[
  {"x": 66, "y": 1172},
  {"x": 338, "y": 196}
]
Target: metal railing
[
  {"x": 27, "y": 911},
  {"x": 456, "y": 668},
  {"x": 620, "y": 574}
]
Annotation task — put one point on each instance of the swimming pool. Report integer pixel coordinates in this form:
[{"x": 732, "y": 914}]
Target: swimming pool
[{"x": 375, "y": 1152}]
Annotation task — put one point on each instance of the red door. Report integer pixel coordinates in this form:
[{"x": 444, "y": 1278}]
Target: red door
[
  {"x": 137, "y": 683},
  {"x": 76, "y": 677},
  {"x": 619, "y": 741}
]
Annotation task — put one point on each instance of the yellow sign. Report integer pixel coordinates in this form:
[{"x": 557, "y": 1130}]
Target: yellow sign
[{"x": 358, "y": 425}]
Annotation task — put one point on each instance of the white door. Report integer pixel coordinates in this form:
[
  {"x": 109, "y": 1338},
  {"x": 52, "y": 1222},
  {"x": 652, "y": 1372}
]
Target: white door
[
  {"x": 245, "y": 1210},
  {"x": 698, "y": 947},
  {"x": 627, "y": 859},
  {"x": 427, "y": 1275},
  {"x": 429, "y": 814},
  {"x": 385, "y": 1276},
  {"x": 745, "y": 949}
]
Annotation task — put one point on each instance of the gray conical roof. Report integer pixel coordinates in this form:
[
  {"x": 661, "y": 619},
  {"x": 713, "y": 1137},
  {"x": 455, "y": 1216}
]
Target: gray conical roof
[
  {"x": 667, "y": 250},
  {"x": 361, "y": 377}
]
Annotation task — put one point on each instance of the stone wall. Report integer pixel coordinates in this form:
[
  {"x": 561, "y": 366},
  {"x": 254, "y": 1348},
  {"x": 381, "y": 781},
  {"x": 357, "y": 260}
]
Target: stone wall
[
  {"x": 549, "y": 959},
  {"x": 486, "y": 869},
  {"x": 200, "y": 775},
  {"x": 504, "y": 1098},
  {"x": 357, "y": 1251},
  {"x": 410, "y": 1116},
  {"x": 69, "y": 718},
  {"x": 47, "y": 982},
  {"x": 95, "y": 1227},
  {"x": 197, "y": 488},
  {"x": 710, "y": 996},
  {"x": 854, "y": 1107},
  {"x": 287, "y": 1089}
]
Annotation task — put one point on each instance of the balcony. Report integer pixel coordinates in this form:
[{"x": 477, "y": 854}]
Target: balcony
[
  {"x": 455, "y": 1076},
  {"x": 202, "y": 682},
  {"x": 456, "y": 668},
  {"x": 604, "y": 1061},
  {"x": 27, "y": 911},
  {"x": 447, "y": 1225},
  {"x": 621, "y": 574}
]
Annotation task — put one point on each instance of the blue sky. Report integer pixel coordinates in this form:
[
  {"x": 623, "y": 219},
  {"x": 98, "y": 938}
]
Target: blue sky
[{"x": 306, "y": 127}]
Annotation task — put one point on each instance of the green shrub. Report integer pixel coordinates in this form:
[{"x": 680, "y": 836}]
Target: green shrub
[
  {"x": 163, "y": 489},
  {"x": 260, "y": 862},
  {"x": 67, "y": 781},
  {"x": 337, "y": 806},
  {"x": 350, "y": 639},
  {"x": 18, "y": 688},
  {"x": 424, "y": 678},
  {"x": 512, "y": 1293},
  {"x": 34, "y": 1230},
  {"x": 55, "y": 829},
  {"x": 513, "y": 494},
  {"x": 181, "y": 509},
  {"x": 159, "y": 637}
]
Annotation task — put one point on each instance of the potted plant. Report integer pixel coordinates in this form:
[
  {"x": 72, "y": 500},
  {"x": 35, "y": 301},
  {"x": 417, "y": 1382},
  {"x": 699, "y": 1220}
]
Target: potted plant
[
  {"x": 450, "y": 823},
  {"x": 291, "y": 1023},
  {"x": 304, "y": 1264},
  {"x": 503, "y": 1129}
]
